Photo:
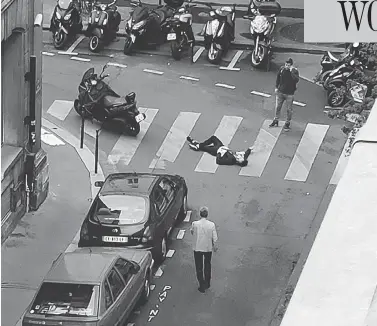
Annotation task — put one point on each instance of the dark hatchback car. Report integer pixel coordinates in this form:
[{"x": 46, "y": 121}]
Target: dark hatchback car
[
  {"x": 92, "y": 287},
  {"x": 135, "y": 210}
]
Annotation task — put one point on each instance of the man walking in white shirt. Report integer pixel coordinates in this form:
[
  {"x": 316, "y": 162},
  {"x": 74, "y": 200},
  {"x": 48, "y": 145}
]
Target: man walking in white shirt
[{"x": 205, "y": 237}]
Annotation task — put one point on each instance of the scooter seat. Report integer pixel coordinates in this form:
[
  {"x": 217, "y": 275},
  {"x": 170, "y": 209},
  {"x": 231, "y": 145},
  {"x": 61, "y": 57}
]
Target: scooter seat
[{"x": 112, "y": 100}]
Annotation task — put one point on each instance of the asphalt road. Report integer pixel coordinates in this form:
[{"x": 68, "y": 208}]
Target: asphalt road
[{"x": 262, "y": 220}]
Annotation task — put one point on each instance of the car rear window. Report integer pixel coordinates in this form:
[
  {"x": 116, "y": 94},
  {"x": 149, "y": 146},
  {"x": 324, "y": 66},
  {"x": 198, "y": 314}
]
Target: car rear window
[
  {"x": 121, "y": 209},
  {"x": 65, "y": 299}
]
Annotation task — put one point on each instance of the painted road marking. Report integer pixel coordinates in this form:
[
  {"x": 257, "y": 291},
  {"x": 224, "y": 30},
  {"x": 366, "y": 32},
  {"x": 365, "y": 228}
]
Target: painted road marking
[
  {"x": 132, "y": 324},
  {"x": 156, "y": 72},
  {"x": 152, "y": 287},
  {"x": 198, "y": 54},
  {"x": 175, "y": 139},
  {"x": 225, "y": 132},
  {"x": 48, "y": 54},
  {"x": 225, "y": 86},
  {"x": 170, "y": 253},
  {"x": 60, "y": 109},
  {"x": 67, "y": 53},
  {"x": 50, "y": 139},
  {"x": 262, "y": 149},
  {"x": 126, "y": 147},
  {"x": 233, "y": 62},
  {"x": 260, "y": 94},
  {"x": 342, "y": 163},
  {"x": 188, "y": 216},
  {"x": 80, "y": 59},
  {"x": 181, "y": 234},
  {"x": 159, "y": 272},
  {"x": 76, "y": 43},
  {"x": 306, "y": 152},
  {"x": 189, "y": 78},
  {"x": 115, "y": 64},
  {"x": 299, "y": 103},
  {"x": 90, "y": 128}
]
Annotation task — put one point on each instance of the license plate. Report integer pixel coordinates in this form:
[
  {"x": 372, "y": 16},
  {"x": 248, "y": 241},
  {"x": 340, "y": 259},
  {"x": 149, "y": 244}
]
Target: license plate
[
  {"x": 115, "y": 239},
  {"x": 133, "y": 38},
  {"x": 139, "y": 117},
  {"x": 171, "y": 36}
]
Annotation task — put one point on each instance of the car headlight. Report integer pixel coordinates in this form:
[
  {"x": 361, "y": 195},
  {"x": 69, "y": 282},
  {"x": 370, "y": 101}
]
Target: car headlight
[
  {"x": 58, "y": 15},
  {"x": 104, "y": 21},
  {"x": 259, "y": 24},
  {"x": 139, "y": 24},
  {"x": 96, "y": 19},
  {"x": 67, "y": 17},
  {"x": 214, "y": 26},
  {"x": 103, "y": 7},
  {"x": 93, "y": 82}
]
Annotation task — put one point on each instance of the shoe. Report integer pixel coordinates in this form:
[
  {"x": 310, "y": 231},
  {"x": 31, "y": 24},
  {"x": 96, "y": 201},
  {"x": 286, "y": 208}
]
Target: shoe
[
  {"x": 207, "y": 286},
  {"x": 247, "y": 153},
  {"x": 195, "y": 147},
  {"x": 274, "y": 123},
  {"x": 189, "y": 139},
  {"x": 287, "y": 126},
  {"x": 202, "y": 290}
]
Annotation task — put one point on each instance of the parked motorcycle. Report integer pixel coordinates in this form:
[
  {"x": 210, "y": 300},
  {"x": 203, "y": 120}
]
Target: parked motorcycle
[
  {"x": 219, "y": 32},
  {"x": 147, "y": 26},
  {"x": 96, "y": 100},
  {"x": 351, "y": 91},
  {"x": 262, "y": 25},
  {"x": 65, "y": 22},
  {"x": 181, "y": 36},
  {"x": 103, "y": 25},
  {"x": 339, "y": 76}
]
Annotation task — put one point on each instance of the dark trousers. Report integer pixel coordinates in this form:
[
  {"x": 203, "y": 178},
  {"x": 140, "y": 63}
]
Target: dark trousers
[
  {"x": 211, "y": 145},
  {"x": 204, "y": 276}
]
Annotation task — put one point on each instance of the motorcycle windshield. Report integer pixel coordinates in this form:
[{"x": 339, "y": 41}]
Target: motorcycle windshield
[
  {"x": 89, "y": 73},
  {"x": 64, "y": 4}
]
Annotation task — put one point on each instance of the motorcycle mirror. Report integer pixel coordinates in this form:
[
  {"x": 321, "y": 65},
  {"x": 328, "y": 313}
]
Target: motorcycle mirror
[{"x": 352, "y": 62}]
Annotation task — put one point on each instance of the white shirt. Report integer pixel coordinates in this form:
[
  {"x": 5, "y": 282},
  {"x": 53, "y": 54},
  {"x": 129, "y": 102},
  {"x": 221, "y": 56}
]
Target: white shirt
[{"x": 205, "y": 235}]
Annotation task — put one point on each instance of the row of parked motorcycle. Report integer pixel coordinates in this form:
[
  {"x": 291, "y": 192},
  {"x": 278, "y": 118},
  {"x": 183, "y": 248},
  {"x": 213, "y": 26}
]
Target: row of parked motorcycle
[
  {"x": 338, "y": 75},
  {"x": 171, "y": 23}
]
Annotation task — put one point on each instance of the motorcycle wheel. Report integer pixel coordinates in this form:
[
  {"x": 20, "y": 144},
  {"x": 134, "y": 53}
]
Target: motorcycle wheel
[
  {"x": 176, "y": 50},
  {"x": 256, "y": 62},
  {"x": 59, "y": 39},
  {"x": 128, "y": 45},
  {"x": 95, "y": 43},
  {"x": 132, "y": 129},
  {"x": 335, "y": 99},
  {"x": 80, "y": 112},
  {"x": 323, "y": 77},
  {"x": 214, "y": 55}
]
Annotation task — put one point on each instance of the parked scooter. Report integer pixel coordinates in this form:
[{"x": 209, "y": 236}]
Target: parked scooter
[
  {"x": 147, "y": 26},
  {"x": 65, "y": 22},
  {"x": 181, "y": 36},
  {"x": 262, "y": 24},
  {"x": 103, "y": 25},
  {"x": 351, "y": 91},
  {"x": 339, "y": 76},
  {"x": 219, "y": 32},
  {"x": 98, "y": 101}
]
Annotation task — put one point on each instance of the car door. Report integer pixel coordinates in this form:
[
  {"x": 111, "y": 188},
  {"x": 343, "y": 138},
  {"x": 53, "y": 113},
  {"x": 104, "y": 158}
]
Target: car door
[
  {"x": 114, "y": 294},
  {"x": 179, "y": 193},
  {"x": 170, "y": 191}
]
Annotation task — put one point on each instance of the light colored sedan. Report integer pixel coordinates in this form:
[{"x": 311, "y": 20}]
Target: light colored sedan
[{"x": 92, "y": 287}]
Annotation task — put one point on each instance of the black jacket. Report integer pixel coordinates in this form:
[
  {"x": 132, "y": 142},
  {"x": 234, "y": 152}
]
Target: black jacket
[
  {"x": 227, "y": 159},
  {"x": 286, "y": 80}
]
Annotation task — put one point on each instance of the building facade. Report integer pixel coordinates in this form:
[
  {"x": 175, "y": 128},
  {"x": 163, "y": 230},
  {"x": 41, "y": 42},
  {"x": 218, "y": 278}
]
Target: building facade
[{"x": 24, "y": 167}]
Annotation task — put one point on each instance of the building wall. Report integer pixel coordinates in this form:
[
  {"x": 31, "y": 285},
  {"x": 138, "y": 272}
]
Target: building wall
[{"x": 18, "y": 37}]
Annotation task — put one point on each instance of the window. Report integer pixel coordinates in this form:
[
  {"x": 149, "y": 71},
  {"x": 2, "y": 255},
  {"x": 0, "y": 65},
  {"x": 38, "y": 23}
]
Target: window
[
  {"x": 167, "y": 188},
  {"x": 116, "y": 283},
  {"x": 160, "y": 200},
  {"x": 108, "y": 298},
  {"x": 124, "y": 267},
  {"x": 66, "y": 299}
]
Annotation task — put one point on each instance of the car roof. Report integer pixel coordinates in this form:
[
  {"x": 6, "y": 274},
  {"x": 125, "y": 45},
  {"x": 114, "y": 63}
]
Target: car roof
[
  {"x": 118, "y": 183},
  {"x": 80, "y": 267}
]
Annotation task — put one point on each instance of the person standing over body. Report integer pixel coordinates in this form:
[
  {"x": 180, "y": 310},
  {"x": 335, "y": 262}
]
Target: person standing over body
[
  {"x": 205, "y": 238},
  {"x": 286, "y": 85}
]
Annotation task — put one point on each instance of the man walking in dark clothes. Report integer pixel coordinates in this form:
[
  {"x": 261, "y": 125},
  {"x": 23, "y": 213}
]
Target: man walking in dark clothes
[
  {"x": 224, "y": 156},
  {"x": 286, "y": 85},
  {"x": 205, "y": 237}
]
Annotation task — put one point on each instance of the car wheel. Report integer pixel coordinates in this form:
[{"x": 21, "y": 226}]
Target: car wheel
[
  {"x": 146, "y": 290},
  {"x": 183, "y": 211}
]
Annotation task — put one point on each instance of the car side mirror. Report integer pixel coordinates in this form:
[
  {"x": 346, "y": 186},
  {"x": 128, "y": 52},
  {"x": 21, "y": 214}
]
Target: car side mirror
[
  {"x": 98, "y": 184},
  {"x": 135, "y": 268}
]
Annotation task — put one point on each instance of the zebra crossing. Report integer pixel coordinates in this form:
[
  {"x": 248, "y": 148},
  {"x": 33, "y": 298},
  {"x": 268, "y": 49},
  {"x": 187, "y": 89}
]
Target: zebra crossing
[{"x": 124, "y": 148}]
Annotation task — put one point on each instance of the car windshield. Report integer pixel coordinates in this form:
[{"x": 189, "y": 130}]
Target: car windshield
[
  {"x": 121, "y": 209},
  {"x": 64, "y": 4},
  {"x": 66, "y": 299}
]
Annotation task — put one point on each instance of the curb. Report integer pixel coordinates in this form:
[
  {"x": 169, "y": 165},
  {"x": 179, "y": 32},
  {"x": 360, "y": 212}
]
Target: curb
[{"x": 278, "y": 47}]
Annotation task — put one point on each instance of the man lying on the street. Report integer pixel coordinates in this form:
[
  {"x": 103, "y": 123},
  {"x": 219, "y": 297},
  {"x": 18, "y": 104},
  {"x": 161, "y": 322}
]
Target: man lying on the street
[{"x": 224, "y": 156}]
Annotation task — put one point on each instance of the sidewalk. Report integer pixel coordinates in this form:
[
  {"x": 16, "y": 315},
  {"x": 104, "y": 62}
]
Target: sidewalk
[
  {"x": 285, "y": 39},
  {"x": 41, "y": 236}
]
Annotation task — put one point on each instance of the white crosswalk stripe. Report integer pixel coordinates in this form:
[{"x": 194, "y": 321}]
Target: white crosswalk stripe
[
  {"x": 225, "y": 132},
  {"x": 175, "y": 140},
  {"x": 60, "y": 109}
]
